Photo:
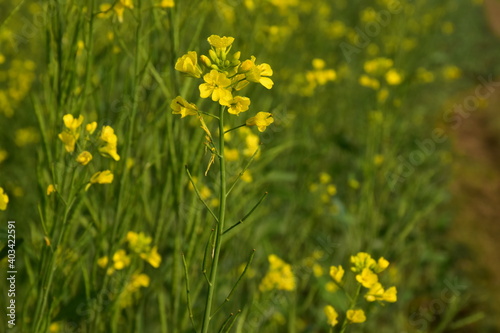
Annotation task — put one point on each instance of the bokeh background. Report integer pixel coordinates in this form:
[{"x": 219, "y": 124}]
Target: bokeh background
[{"x": 386, "y": 140}]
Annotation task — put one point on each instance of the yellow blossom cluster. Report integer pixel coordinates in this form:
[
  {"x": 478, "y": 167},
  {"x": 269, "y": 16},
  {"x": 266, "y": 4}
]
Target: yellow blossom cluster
[
  {"x": 137, "y": 281},
  {"x": 279, "y": 276},
  {"x": 19, "y": 78},
  {"x": 4, "y": 199},
  {"x": 380, "y": 69},
  {"x": 224, "y": 75}
]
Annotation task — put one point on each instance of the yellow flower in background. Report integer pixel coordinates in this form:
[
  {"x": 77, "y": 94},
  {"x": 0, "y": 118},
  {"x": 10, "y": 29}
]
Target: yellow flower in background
[
  {"x": 238, "y": 104},
  {"x": 390, "y": 295},
  {"x": 279, "y": 276},
  {"x": 367, "y": 278},
  {"x": 4, "y": 199},
  {"x": 331, "y": 315},
  {"x": 356, "y": 316},
  {"x": 119, "y": 8},
  {"x": 100, "y": 177},
  {"x": 220, "y": 42},
  {"x": 261, "y": 120},
  {"x": 110, "y": 139},
  {"x": 452, "y": 72},
  {"x": 69, "y": 141},
  {"x": 375, "y": 293},
  {"x": 180, "y": 106},
  {"x": 120, "y": 260},
  {"x": 51, "y": 189},
  {"x": 3, "y": 155},
  {"x": 369, "y": 82},
  {"x": 167, "y": 4},
  {"x": 91, "y": 127},
  {"x": 257, "y": 73},
  {"x": 138, "y": 242},
  {"x": 337, "y": 273},
  {"x": 360, "y": 261},
  {"x": 102, "y": 262},
  {"x": 188, "y": 64},
  {"x": 84, "y": 158},
  {"x": 153, "y": 257},
  {"x": 216, "y": 85},
  {"x": 231, "y": 154},
  {"x": 139, "y": 280},
  {"x": 393, "y": 77},
  {"x": 381, "y": 265}
]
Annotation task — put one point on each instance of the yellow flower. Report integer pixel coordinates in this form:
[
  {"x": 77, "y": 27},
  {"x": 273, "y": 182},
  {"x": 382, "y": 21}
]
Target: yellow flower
[
  {"x": 139, "y": 280},
  {"x": 120, "y": 259},
  {"x": 367, "y": 278},
  {"x": 375, "y": 293},
  {"x": 337, "y": 273},
  {"x": 51, "y": 189},
  {"x": 91, "y": 127},
  {"x": 381, "y": 265},
  {"x": 257, "y": 73},
  {"x": 238, "y": 104},
  {"x": 102, "y": 262},
  {"x": 167, "y": 3},
  {"x": 390, "y": 295},
  {"x": 356, "y": 316},
  {"x": 84, "y": 158},
  {"x": 110, "y": 139},
  {"x": 362, "y": 260},
  {"x": 279, "y": 276},
  {"x": 180, "y": 106},
  {"x": 4, "y": 199},
  {"x": 153, "y": 258},
  {"x": 188, "y": 64},
  {"x": 120, "y": 7},
  {"x": 138, "y": 242},
  {"x": 261, "y": 120},
  {"x": 100, "y": 177},
  {"x": 69, "y": 141},
  {"x": 331, "y": 315},
  {"x": 216, "y": 85},
  {"x": 369, "y": 82},
  {"x": 231, "y": 154},
  {"x": 331, "y": 189},
  {"x": 72, "y": 123},
  {"x": 393, "y": 77},
  {"x": 220, "y": 42}
]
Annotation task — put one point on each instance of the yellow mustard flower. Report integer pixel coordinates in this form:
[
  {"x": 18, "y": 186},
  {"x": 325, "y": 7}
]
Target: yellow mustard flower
[
  {"x": 180, "y": 106},
  {"x": 120, "y": 260},
  {"x": 337, "y": 273},
  {"x": 238, "y": 104},
  {"x": 72, "y": 123},
  {"x": 393, "y": 77},
  {"x": 110, "y": 140},
  {"x": 356, "y": 316},
  {"x": 390, "y": 295},
  {"x": 231, "y": 154},
  {"x": 220, "y": 42},
  {"x": 381, "y": 265},
  {"x": 84, "y": 158},
  {"x": 360, "y": 261},
  {"x": 257, "y": 73},
  {"x": 71, "y": 134},
  {"x": 100, "y": 177},
  {"x": 216, "y": 85},
  {"x": 279, "y": 276},
  {"x": 140, "y": 280},
  {"x": 102, "y": 262},
  {"x": 3, "y": 155},
  {"x": 138, "y": 242},
  {"x": 367, "y": 278},
  {"x": 4, "y": 199},
  {"x": 91, "y": 127},
  {"x": 119, "y": 8},
  {"x": 376, "y": 293},
  {"x": 188, "y": 64},
  {"x": 69, "y": 141},
  {"x": 51, "y": 189},
  {"x": 261, "y": 120},
  {"x": 331, "y": 315},
  {"x": 369, "y": 82},
  {"x": 153, "y": 257},
  {"x": 167, "y": 4}
]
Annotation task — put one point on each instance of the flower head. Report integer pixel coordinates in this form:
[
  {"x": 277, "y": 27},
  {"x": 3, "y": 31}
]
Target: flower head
[
  {"x": 180, "y": 106},
  {"x": 72, "y": 123},
  {"x": 51, "y": 189},
  {"x": 331, "y": 315},
  {"x": 110, "y": 141},
  {"x": 261, "y": 120},
  {"x": 84, "y": 158},
  {"x": 91, "y": 127},
  {"x": 367, "y": 278},
  {"x": 152, "y": 257},
  {"x": 188, "y": 64},
  {"x": 238, "y": 104},
  {"x": 356, "y": 316},
  {"x": 4, "y": 199},
  {"x": 220, "y": 42},
  {"x": 216, "y": 85},
  {"x": 279, "y": 276},
  {"x": 257, "y": 73}
]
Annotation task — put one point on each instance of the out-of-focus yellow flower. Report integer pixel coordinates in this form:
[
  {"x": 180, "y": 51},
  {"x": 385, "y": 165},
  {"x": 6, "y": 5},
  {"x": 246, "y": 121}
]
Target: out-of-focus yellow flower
[
  {"x": 279, "y": 276},
  {"x": 167, "y": 4},
  {"x": 337, "y": 273},
  {"x": 360, "y": 261},
  {"x": 393, "y": 77},
  {"x": 91, "y": 127},
  {"x": 257, "y": 73},
  {"x": 247, "y": 177},
  {"x": 119, "y": 8},
  {"x": 367, "y": 278},
  {"x": 188, "y": 64},
  {"x": 3, "y": 155},
  {"x": 377, "y": 65},
  {"x": 331, "y": 315},
  {"x": 84, "y": 158},
  {"x": 369, "y": 82},
  {"x": 238, "y": 104},
  {"x": 138, "y": 242},
  {"x": 71, "y": 122},
  {"x": 69, "y": 141},
  {"x": 324, "y": 178},
  {"x": 102, "y": 262},
  {"x": 100, "y": 177},
  {"x": 317, "y": 270},
  {"x": 356, "y": 316},
  {"x": 120, "y": 259},
  {"x": 26, "y": 136},
  {"x": 4, "y": 199},
  {"x": 51, "y": 189},
  {"x": 180, "y": 106},
  {"x": 231, "y": 154},
  {"x": 140, "y": 280},
  {"x": 452, "y": 72},
  {"x": 390, "y": 295},
  {"x": 110, "y": 139},
  {"x": 216, "y": 85},
  {"x": 153, "y": 257},
  {"x": 261, "y": 120}
]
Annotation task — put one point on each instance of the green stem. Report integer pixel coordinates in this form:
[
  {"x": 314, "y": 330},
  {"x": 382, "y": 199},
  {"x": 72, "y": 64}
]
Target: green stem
[
  {"x": 353, "y": 304},
  {"x": 219, "y": 226}
]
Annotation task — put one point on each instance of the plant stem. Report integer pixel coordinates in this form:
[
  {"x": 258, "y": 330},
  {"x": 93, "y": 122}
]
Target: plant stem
[{"x": 219, "y": 226}]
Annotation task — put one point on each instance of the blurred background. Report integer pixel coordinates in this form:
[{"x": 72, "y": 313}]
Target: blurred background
[{"x": 386, "y": 140}]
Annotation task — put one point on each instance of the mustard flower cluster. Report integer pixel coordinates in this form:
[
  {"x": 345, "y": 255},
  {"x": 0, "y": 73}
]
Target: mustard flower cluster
[
  {"x": 224, "y": 76},
  {"x": 367, "y": 272},
  {"x": 140, "y": 245},
  {"x": 106, "y": 142},
  {"x": 279, "y": 276},
  {"x": 4, "y": 199}
]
